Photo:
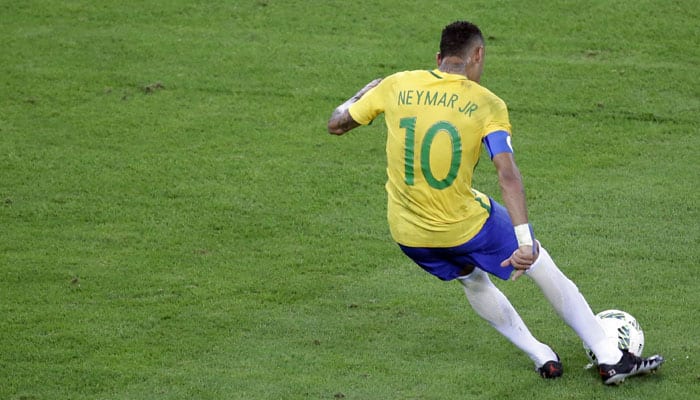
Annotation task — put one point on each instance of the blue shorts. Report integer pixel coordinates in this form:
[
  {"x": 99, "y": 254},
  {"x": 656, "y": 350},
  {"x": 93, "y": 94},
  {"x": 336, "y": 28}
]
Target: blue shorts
[{"x": 494, "y": 243}]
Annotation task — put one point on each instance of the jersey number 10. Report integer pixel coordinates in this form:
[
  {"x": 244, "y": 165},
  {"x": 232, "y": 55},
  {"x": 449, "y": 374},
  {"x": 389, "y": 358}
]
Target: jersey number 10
[{"x": 409, "y": 124}]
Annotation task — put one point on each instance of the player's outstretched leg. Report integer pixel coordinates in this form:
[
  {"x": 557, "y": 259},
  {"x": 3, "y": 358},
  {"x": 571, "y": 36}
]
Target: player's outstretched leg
[
  {"x": 493, "y": 306},
  {"x": 572, "y": 307},
  {"x": 569, "y": 303}
]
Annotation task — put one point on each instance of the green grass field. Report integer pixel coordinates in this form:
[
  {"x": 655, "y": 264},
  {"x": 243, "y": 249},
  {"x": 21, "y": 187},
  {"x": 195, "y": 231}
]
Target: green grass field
[{"x": 175, "y": 222}]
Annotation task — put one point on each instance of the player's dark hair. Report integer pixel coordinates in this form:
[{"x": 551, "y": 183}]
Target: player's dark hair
[{"x": 458, "y": 37}]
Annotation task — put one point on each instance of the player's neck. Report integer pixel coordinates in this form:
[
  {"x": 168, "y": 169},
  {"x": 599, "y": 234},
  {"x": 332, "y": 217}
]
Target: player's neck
[{"x": 453, "y": 65}]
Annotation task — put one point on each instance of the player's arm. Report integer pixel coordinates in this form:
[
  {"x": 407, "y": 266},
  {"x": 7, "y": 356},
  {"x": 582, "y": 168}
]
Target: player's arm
[
  {"x": 513, "y": 194},
  {"x": 498, "y": 145},
  {"x": 341, "y": 121},
  {"x": 512, "y": 189}
]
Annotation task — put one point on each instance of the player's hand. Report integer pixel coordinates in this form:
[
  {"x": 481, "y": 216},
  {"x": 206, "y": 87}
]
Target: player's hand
[{"x": 521, "y": 259}]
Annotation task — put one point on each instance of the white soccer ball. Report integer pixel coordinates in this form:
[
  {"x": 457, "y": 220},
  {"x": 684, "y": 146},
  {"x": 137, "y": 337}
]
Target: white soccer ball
[{"x": 621, "y": 328}]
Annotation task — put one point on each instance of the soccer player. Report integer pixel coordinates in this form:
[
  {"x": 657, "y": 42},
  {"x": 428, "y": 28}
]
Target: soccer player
[{"x": 436, "y": 122}]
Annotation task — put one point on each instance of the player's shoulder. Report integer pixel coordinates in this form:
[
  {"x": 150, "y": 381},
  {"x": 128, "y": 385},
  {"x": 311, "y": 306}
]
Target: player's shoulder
[
  {"x": 488, "y": 97},
  {"x": 486, "y": 92}
]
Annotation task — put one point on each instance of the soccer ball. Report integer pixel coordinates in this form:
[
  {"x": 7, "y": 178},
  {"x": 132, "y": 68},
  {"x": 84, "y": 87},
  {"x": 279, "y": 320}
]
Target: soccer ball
[{"x": 623, "y": 329}]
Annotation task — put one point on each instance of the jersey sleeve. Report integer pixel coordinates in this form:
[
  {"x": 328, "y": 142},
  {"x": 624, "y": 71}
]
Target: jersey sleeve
[
  {"x": 370, "y": 105},
  {"x": 498, "y": 120}
]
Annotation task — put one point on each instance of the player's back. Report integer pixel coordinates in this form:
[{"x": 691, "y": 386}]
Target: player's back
[
  {"x": 444, "y": 113},
  {"x": 435, "y": 124}
]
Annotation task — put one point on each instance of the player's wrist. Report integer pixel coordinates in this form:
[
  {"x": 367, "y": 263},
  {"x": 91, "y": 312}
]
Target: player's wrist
[{"x": 523, "y": 234}]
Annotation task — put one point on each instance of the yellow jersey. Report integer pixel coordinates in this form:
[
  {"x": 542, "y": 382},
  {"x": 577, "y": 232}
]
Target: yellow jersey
[{"x": 435, "y": 125}]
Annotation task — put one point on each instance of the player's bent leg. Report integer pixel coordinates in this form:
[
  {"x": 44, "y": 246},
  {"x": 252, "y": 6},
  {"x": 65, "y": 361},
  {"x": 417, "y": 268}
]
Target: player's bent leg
[
  {"x": 572, "y": 307},
  {"x": 493, "y": 306},
  {"x": 466, "y": 270}
]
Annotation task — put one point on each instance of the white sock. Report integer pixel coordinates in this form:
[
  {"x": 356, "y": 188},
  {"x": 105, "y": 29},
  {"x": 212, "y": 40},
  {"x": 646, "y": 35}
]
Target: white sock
[
  {"x": 572, "y": 307},
  {"x": 493, "y": 306}
]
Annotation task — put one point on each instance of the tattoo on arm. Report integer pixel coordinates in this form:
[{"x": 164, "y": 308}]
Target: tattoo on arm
[{"x": 341, "y": 121}]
